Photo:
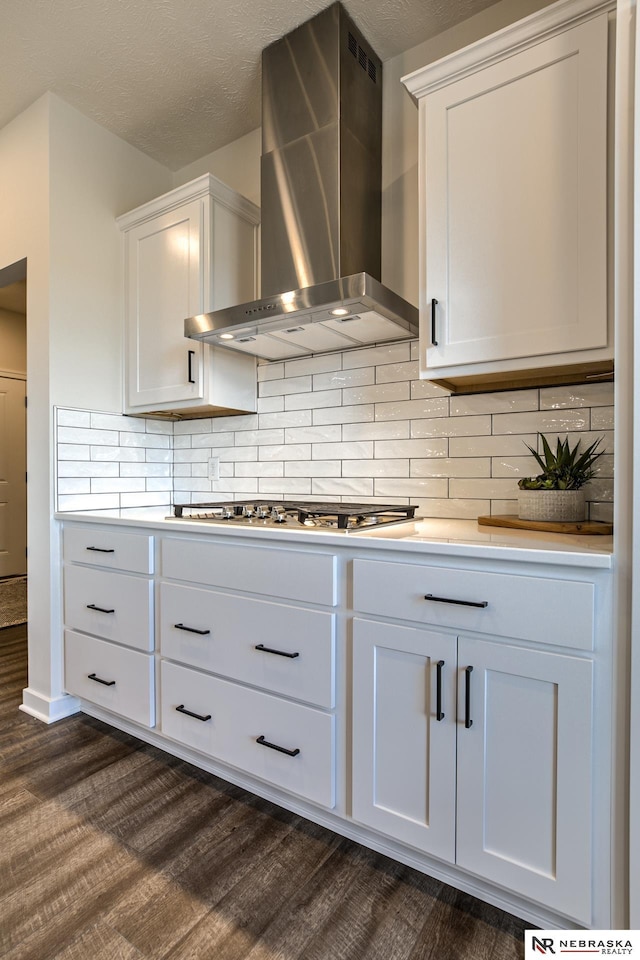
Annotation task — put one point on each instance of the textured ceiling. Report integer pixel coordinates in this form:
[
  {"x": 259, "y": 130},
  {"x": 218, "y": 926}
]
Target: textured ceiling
[{"x": 178, "y": 78}]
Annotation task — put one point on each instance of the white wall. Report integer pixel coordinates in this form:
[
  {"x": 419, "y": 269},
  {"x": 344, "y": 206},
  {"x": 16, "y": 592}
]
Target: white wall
[
  {"x": 95, "y": 176},
  {"x": 13, "y": 342},
  {"x": 237, "y": 164},
  {"x": 63, "y": 179}
]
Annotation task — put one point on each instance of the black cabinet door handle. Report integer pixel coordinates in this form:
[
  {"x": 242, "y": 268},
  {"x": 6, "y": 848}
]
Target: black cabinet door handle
[
  {"x": 181, "y": 626},
  {"x": 468, "y": 722},
  {"x": 278, "y": 653},
  {"x": 274, "y": 746},
  {"x": 96, "y": 679},
  {"x": 461, "y": 603},
  {"x": 434, "y": 304},
  {"x": 92, "y": 606},
  {"x": 101, "y": 549},
  {"x": 439, "y": 713},
  {"x": 196, "y": 716},
  {"x": 192, "y": 354}
]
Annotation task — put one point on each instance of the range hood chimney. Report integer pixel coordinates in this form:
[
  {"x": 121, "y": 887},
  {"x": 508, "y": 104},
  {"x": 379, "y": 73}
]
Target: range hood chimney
[{"x": 321, "y": 184}]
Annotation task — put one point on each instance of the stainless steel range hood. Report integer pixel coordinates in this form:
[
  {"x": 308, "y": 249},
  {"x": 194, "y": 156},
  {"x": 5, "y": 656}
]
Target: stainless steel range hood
[{"x": 321, "y": 182}]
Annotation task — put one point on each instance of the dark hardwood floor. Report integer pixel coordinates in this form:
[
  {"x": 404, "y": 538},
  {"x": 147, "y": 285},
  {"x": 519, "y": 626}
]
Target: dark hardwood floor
[{"x": 113, "y": 850}]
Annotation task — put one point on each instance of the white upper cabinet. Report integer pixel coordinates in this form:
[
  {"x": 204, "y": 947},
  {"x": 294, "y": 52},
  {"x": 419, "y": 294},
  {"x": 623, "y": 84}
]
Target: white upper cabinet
[
  {"x": 188, "y": 252},
  {"x": 513, "y": 199}
]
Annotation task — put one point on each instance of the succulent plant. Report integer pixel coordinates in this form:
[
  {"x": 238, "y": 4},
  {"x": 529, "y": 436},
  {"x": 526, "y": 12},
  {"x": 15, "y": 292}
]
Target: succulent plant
[{"x": 564, "y": 469}]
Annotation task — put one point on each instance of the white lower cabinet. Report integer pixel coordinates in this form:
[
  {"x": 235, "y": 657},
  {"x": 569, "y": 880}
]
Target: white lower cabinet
[
  {"x": 113, "y": 677},
  {"x": 477, "y": 752},
  {"x": 285, "y": 743}
]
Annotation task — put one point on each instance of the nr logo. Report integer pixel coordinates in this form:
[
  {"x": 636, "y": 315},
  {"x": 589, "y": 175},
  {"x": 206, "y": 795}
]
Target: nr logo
[{"x": 542, "y": 945}]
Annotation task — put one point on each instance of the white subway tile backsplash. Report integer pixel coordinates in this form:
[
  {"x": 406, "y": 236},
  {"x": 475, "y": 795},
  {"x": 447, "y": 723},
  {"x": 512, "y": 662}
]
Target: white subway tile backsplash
[
  {"x": 451, "y": 467},
  {"x": 322, "y": 364},
  {"x": 397, "y": 371},
  {"x": 89, "y": 501},
  {"x": 86, "y": 468},
  {"x": 156, "y": 440},
  {"x": 278, "y": 388},
  {"x": 359, "y": 414},
  {"x": 375, "y": 468},
  {"x": 324, "y": 433},
  {"x": 379, "y": 393},
  {"x": 84, "y": 435},
  {"x": 450, "y": 508},
  {"x": 68, "y": 485},
  {"x": 73, "y": 418},
  {"x": 544, "y": 421},
  {"x": 503, "y": 446},
  {"x": 498, "y": 507},
  {"x": 417, "y": 487},
  {"x": 510, "y": 401},
  {"x": 310, "y": 401},
  {"x": 109, "y": 421},
  {"x": 346, "y": 487},
  {"x": 380, "y": 430},
  {"x": 602, "y": 418},
  {"x": 338, "y": 379},
  {"x": 342, "y": 451},
  {"x": 120, "y": 454},
  {"x": 286, "y": 451},
  {"x": 373, "y": 356},
  {"x": 582, "y": 395},
  {"x": 413, "y": 409},
  {"x": 418, "y": 449},
  {"x": 493, "y": 489},
  {"x": 452, "y": 427},
  {"x": 74, "y": 451},
  {"x": 313, "y": 468},
  {"x": 358, "y": 425}
]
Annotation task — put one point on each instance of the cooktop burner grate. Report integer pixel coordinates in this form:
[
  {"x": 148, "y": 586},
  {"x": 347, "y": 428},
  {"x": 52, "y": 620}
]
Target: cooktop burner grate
[{"x": 305, "y": 513}]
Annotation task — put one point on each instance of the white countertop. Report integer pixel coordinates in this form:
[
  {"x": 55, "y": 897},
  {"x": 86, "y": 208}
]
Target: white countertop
[{"x": 463, "y": 538}]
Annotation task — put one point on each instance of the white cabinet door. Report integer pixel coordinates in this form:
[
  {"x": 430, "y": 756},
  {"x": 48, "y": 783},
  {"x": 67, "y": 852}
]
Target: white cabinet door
[
  {"x": 524, "y": 772},
  {"x": 514, "y": 209},
  {"x": 166, "y": 283},
  {"x": 403, "y": 750}
]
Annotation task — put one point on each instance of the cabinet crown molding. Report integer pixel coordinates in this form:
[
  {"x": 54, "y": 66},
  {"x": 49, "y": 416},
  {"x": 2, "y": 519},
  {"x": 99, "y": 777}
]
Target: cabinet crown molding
[
  {"x": 517, "y": 36},
  {"x": 202, "y": 187}
]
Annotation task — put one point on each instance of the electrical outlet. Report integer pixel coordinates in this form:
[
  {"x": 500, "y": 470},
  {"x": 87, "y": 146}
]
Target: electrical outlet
[{"x": 214, "y": 468}]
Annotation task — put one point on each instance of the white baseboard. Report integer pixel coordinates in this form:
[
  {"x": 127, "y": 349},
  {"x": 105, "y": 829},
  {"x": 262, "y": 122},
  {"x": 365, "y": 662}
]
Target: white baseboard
[{"x": 48, "y": 709}]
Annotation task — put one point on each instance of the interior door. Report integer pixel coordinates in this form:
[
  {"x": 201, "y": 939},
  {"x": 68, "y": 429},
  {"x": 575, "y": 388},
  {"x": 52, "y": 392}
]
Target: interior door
[{"x": 13, "y": 485}]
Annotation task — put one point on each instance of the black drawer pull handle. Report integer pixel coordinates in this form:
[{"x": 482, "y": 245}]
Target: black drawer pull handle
[
  {"x": 192, "y": 354},
  {"x": 274, "y": 746},
  {"x": 181, "y": 626},
  {"x": 278, "y": 653},
  {"x": 101, "y": 549},
  {"x": 196, "y": 716},
  {"x": 468, "y": 722},
  {"x": 434, "y": 342},
  {"x": 92, "y": 606},
  {"x": 439, "y": 713},
  {"x": 106, "y": 683},
  {"x": 461, "y": 603}
]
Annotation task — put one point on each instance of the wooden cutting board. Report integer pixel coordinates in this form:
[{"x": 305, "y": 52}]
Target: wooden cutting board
[{"x": 584, "y": 527}]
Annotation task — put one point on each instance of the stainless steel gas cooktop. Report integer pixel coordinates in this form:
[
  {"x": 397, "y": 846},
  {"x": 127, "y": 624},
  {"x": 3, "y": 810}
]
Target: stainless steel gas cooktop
[{"x": 287, "y": 514}]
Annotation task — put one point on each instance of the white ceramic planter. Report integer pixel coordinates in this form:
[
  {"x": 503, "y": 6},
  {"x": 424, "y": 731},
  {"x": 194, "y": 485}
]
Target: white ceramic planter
[{"x": 551, "y": 505}]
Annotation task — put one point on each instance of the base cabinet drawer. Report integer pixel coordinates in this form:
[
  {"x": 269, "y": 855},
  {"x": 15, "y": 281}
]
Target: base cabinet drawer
[
  {"x": 111, "y": 605},
  {"x": 286, "y": 744},
  {"x": 108, "y": 548},
  {"x": 285, "y": 649},
  {"x": 524, "y": 608},
  {"x": 110, "y": 676},
  {"x": 290, "y": 574}
]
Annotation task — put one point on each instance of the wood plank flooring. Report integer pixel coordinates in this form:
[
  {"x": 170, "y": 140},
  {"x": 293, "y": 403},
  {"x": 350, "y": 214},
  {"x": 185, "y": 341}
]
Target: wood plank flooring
[{"x": 113, "y": 850}]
